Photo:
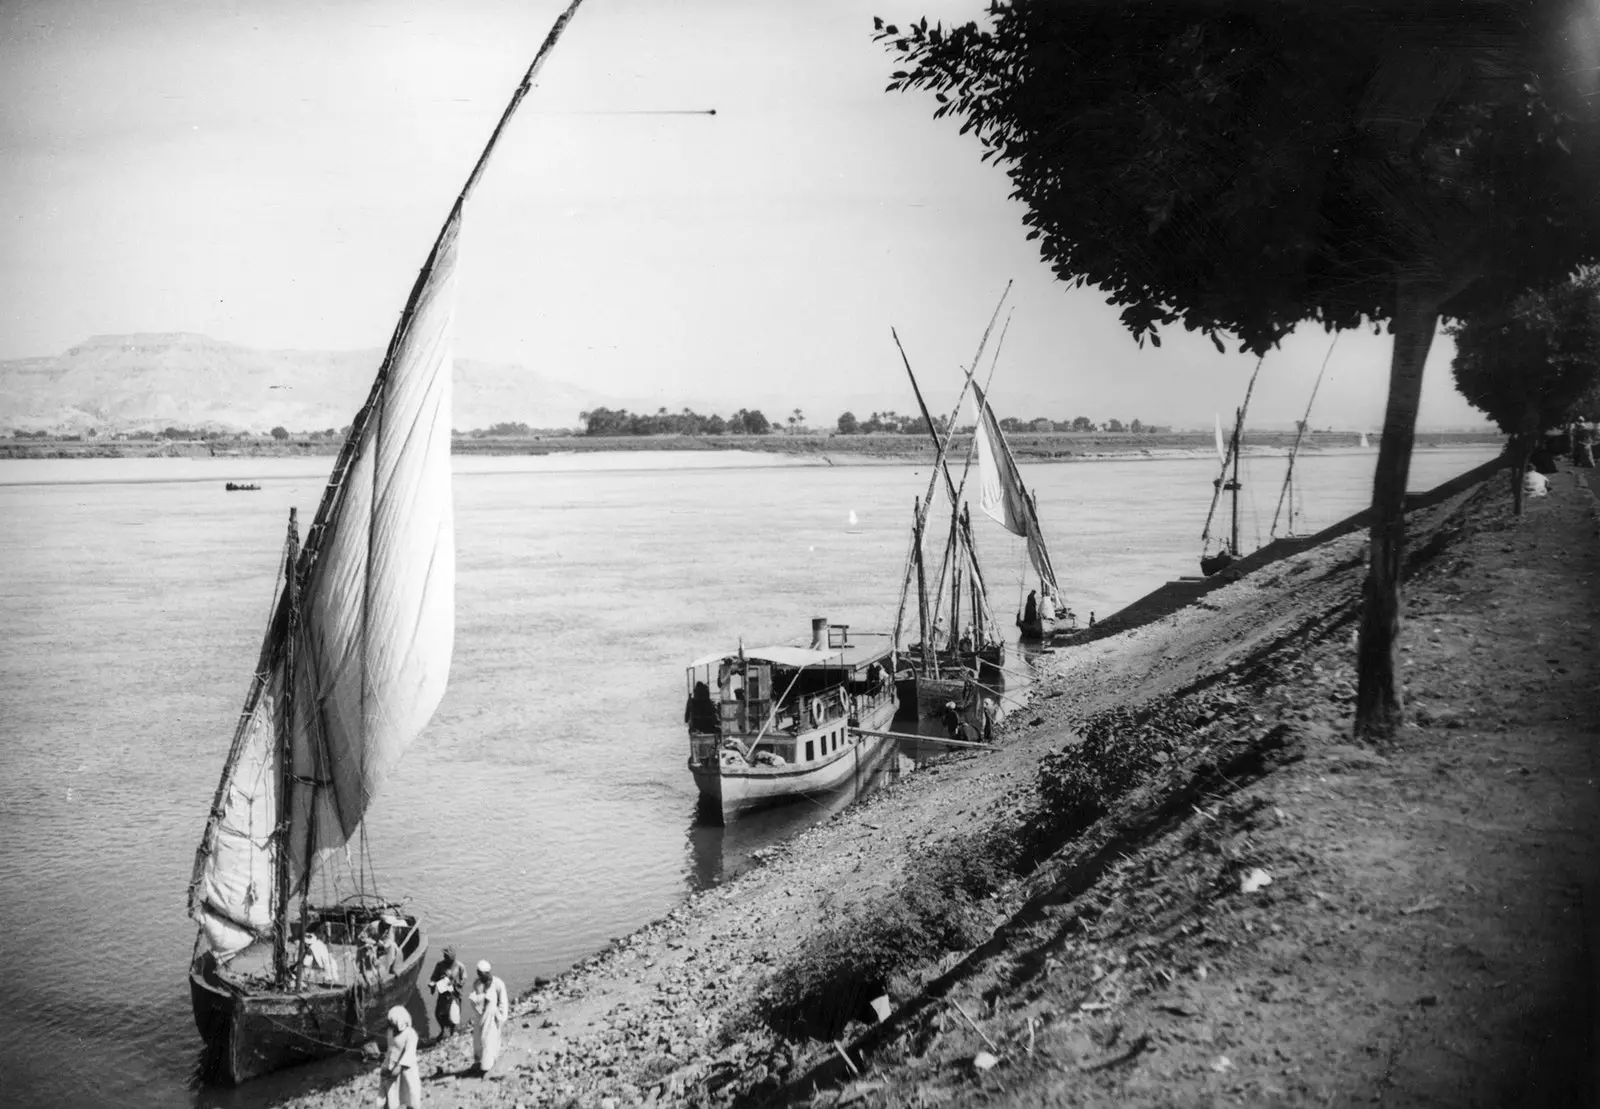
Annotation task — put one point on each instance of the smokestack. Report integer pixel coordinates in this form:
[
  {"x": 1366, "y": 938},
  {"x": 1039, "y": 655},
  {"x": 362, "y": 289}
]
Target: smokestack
[{"x": 819, "y": 633}]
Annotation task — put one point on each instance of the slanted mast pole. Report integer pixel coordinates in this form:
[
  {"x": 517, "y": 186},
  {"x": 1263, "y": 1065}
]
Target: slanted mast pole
[
  {"x": 280, "y": 833},
  {"x": 1233, "y": 541},
  {"x": 1294, "y": 450},
  {"x": 333, "y": 494},
  {"x": 922, "y": 578}
]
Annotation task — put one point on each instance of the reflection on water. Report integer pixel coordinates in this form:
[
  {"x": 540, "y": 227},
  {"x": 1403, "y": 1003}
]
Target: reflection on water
[{"x": 719, "y": 852}]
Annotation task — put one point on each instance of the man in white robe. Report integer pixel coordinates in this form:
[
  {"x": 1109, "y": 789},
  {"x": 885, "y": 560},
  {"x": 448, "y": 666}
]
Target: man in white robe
[
  {"x": 399, "y": 1082},
  {"x": 493, "y": 1006}
]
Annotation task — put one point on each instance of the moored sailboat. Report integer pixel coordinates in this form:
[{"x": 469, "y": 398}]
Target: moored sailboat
[
  {"x": 1003, "y": 496},
  {"x": 948, "y": 666},
  {"x": 1286, "y": 494},
  {"x": 1212, "y": 562},
  {"x": 297, "y": 955}
]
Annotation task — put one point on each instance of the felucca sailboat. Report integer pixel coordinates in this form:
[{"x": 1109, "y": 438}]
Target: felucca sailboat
[
  {"x": 298, "y": 956},
  {"x": 1286, "y": 494},
  {"x": 947, "y": 664},
  {"x": 1212, "y": 562},
  {"x": 1002, "y": 495}
]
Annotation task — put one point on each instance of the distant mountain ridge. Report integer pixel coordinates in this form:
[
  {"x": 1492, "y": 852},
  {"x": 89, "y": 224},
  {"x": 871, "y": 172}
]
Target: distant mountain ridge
[{"x": 148, "y": 382}]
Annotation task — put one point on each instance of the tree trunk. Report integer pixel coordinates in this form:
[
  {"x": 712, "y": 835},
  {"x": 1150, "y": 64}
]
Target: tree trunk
[
  {"x": 1522, "y": 446},
  {"x": 1379, "y": 710},
  {"x": 1520, "y": 449}
]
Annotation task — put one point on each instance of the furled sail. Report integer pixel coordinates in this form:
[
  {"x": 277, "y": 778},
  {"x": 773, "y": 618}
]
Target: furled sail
[
  {"x": 372, "y": 645},
  {"x": 231, "y": 896},
  {"x": 1002, "y": 494}
]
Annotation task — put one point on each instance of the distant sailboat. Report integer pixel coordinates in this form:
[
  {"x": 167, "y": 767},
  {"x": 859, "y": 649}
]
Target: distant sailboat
[
  {"x": 1364, "y": 439},
  {"x": 853, "y": 520},
  {"x": 1006, "y": 500},
  {"x": 1286, "y": 494},
  {"x": 1229, "y": 551},
  {"x": 355, "y": 659}
]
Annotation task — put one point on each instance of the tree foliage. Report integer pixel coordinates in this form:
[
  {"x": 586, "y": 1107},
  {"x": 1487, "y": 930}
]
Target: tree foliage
[
  {"x": 1241, "y": 166},
  {"x": 1534, "y": 365},
  {"x": 619, "y": 421}
]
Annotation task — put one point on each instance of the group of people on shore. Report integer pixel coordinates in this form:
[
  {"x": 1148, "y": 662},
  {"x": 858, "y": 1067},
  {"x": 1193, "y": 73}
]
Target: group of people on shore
[
  {"x": 958, "y": 727},
  {"x": 401, "y": 1084}
]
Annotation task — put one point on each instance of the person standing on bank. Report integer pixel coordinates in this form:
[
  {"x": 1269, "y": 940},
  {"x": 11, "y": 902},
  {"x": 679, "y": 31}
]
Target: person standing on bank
[
  {"x": 493, "y": 1006},
  {"x": 400, "y": 1083},
  {"x": 991, "y": 709},
  {"x": 447, "y": 980},
  {"x": 952, "y": 720}
]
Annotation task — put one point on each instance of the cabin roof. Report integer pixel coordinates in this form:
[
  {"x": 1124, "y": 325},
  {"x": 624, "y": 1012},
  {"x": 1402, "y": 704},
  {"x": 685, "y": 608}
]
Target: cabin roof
[{"x": 851, "y": 655}]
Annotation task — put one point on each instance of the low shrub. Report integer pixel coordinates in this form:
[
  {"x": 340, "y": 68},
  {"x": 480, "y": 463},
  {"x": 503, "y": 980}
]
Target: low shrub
[
  {"x": 1115, "y": 750},
  {"x": 834, "y": 974}
]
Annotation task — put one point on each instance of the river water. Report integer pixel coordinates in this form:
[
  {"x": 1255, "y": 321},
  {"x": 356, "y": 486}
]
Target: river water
[{"x": 547, "y": 807}]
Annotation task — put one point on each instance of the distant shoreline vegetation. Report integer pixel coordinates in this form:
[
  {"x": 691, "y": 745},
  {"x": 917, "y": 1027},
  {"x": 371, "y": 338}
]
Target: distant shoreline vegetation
[
  {"x": 615, "y": 422},
  {"x": 1030, "y": 440}
]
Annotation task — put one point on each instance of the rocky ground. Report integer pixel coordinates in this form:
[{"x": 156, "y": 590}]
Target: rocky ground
[{"x": 1209, "y": 894}]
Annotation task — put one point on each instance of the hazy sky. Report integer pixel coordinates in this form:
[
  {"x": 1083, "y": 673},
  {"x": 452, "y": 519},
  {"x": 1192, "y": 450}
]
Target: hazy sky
[{"x": 272, "y": 173}]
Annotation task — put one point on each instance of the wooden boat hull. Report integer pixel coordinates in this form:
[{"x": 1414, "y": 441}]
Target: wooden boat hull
[
  {"x": 1212, "y": 564},
  {"x": 729, "y": 791},
  {"x": 925, "y": 696},
  {"x": 251, "y": 1032},
  {"x": 1039, "y": 628},
  {"x": 932, "y": 692}
]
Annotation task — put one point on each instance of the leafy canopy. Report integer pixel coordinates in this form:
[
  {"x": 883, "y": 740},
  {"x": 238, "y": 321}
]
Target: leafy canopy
[
  {"x": 1239, "y": 167},
  {"x": 1535, "y": 365}
]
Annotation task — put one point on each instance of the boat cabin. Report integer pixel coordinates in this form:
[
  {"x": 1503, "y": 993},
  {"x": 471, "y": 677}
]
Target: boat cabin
[{"x": 784, "y": 704}]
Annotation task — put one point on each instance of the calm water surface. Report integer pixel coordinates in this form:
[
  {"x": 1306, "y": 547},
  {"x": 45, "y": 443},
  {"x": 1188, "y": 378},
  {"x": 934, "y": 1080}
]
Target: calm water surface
[{"x": 547, "y": 808}]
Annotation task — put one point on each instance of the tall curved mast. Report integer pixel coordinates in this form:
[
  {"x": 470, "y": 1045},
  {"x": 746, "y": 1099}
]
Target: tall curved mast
[
  {"x": 1287, "y": 492},
  {"x": 357, "y": 652},
  {"x": 1223, "y": 483}
]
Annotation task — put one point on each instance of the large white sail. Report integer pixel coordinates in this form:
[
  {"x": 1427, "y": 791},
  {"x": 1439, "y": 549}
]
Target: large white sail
[
  {"x": 373, "y": 643},
  {"x": 1002, "y": 494},
  {"x": 379, "y": 601}
]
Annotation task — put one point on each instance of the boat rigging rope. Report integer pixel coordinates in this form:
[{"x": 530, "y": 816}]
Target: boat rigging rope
[
  {"x": 1000, "y": 693},
  {"x": 1022, "y": 577},
  {"x": 308, "y": 1038}
]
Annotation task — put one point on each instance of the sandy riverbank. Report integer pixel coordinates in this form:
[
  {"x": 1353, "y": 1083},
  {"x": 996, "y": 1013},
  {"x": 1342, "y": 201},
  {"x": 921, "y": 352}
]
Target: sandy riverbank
[{"x": 1422, "y": 938}]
